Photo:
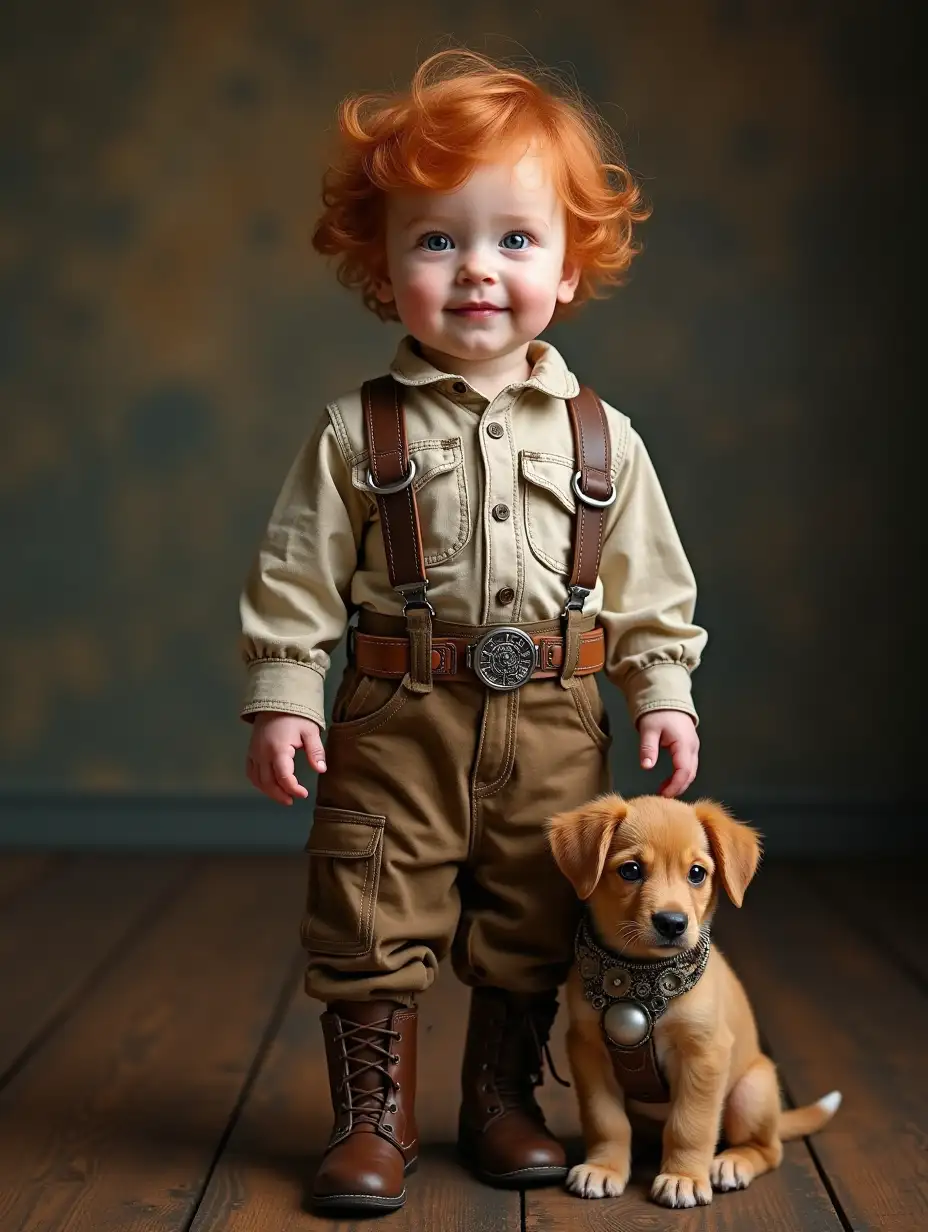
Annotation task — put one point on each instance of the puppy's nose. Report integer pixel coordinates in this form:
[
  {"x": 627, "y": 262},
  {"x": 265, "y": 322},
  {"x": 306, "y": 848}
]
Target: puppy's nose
[{"x": 669, "y": 924}]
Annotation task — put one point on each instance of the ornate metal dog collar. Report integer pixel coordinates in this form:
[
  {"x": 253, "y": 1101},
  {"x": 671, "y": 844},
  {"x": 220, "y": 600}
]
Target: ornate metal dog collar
[{"x": 633, "y": 993}]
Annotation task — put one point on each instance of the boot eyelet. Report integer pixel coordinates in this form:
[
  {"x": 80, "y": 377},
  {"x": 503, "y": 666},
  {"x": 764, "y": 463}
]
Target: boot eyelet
[
  {"x": 399, "y": 1038},
  {"x": 493, "y": 1108},
  {"x": 388, "y": 1129},
  {"x": 393, "y": 1107},
  {"x": 395, "y": 1058},
  {"x": 396, "y": 1086}
]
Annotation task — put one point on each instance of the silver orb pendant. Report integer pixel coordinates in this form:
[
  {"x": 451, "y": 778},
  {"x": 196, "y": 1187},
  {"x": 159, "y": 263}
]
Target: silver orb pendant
[{"x": 627, "y": 1023}]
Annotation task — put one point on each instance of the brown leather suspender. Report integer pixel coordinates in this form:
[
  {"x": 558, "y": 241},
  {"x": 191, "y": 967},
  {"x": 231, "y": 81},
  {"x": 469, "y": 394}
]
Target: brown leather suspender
[
  {"x": 391, "y": 476},
  {"x": 591, "y": 442},
  {"x": 594, "y": 492},
  {"x": 391, "y": 479}
]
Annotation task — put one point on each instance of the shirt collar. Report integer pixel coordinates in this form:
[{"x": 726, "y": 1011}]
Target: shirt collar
[{"x": 550, "y": 373}]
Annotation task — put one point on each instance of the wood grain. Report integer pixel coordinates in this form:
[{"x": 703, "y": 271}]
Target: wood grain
[
  {"x": 114, "y": 1125},
  {"x": 839, "y": 1013},
  {"x": 57, "y": 933},
  {"x": 171, "y": 1075}
]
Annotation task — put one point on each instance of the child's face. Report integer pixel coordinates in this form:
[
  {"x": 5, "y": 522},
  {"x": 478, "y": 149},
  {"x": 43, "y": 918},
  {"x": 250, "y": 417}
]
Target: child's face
[{"x": 499, "y": 241}]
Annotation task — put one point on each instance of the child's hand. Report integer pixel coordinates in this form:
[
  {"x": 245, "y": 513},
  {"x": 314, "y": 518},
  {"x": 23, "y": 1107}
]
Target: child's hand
[
  {"x": 676, "y": 731},
  {"x": 275, "y": 739}
]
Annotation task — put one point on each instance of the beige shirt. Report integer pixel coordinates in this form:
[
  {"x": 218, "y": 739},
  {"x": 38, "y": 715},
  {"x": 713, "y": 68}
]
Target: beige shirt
[{"x": 497, "y": 513}]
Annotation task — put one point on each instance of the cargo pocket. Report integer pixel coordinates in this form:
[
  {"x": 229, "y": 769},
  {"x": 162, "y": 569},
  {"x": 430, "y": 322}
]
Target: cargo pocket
[{"x": 345, "y": 852}]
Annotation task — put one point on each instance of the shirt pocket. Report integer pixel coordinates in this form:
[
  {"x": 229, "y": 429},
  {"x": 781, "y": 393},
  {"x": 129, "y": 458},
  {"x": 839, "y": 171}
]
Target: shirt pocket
[
  {"x": 550, "y": 508},
  {"x": 345, "y": 852},
  {"x": 440, "y": 486}
]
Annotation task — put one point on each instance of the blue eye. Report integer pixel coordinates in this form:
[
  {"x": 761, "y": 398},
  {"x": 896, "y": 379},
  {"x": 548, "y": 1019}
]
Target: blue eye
[
  {"x": 436, "y": 242},
  {"x": 631, "y": 871},
  {"x": 522, "y": 241}
]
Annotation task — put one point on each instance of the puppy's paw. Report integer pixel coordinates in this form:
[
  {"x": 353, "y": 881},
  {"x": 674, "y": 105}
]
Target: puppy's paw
[
  {"x": 594, "y": 1181},
  {"x": 731, "y": 1170},
  {"x": 671, "y": 1189}
]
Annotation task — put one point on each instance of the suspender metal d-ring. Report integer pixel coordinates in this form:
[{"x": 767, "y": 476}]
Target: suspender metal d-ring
[
  {"x": 413, "y": 592},
  {"x": 591, "y": 500},
  {"x": 388, "y": 489}
]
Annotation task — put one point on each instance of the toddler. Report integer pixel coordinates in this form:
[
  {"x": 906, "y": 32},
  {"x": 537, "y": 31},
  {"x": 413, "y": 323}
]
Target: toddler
[{"x": 502, "y": 538}]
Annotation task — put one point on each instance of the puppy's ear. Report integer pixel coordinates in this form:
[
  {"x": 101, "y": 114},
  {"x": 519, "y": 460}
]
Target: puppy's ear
[
  {"x": 580, "y": 840},
  {"x": 735, "y": 847}
]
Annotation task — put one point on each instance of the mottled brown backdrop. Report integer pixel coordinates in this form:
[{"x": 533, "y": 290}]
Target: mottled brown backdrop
[{"x": 168, "y": 337}]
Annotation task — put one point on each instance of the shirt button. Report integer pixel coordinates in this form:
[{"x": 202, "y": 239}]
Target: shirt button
[
  {"x": 459, "y": 387},
  {"x": 501, "y": 512},
  {"x": 506, "y": 595},
  {"x": 495, "y": 430}
]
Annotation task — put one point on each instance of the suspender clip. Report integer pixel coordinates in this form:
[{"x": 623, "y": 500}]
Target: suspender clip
[
  {"x": 576, "y": 597},
  {"x": 414, "y": 596}
]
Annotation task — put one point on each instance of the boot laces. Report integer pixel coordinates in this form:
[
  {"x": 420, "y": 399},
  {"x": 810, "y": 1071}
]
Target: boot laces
[
  {"x": 516, "y": 1081},
  {"x": 357, "y": 1039}
]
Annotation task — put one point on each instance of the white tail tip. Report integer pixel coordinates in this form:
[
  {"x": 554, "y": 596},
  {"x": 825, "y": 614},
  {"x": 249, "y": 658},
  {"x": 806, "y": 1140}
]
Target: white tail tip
[{"x": 830, "y": 1102}]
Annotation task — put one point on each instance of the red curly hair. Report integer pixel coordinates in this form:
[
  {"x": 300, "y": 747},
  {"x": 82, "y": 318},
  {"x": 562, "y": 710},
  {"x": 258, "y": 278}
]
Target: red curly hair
[{"x": 462, "y": 110}]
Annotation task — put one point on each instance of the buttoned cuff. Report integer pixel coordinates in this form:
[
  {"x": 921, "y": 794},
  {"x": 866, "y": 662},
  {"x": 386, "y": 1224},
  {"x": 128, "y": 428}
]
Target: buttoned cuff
[
  {"x": 286, "y": 686},
  {"x": 660, "y": 686}
]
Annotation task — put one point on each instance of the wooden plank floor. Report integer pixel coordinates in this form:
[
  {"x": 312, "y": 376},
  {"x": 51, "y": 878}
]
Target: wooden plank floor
[{"x": 162, "y": 1071}]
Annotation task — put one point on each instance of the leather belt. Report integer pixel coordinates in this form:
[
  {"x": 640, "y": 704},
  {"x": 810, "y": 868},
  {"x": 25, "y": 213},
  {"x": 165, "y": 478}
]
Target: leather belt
[{"x": 503, "y": 658}]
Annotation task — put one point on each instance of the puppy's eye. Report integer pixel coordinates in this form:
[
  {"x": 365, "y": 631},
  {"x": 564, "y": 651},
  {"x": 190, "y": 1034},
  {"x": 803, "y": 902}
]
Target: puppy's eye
[
  {"x": 697, "y": 875},
  {"x": 630, "y": 871}
]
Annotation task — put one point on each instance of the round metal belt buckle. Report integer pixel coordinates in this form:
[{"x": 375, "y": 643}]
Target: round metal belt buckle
[{"x": 504, "y": 658}]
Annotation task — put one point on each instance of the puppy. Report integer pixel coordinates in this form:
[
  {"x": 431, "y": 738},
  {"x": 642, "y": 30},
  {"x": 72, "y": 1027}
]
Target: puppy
[{"x": 660, "y": 1027}]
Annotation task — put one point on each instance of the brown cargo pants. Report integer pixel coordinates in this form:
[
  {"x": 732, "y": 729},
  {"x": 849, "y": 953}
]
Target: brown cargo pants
[{"x": 429, "y": 831}]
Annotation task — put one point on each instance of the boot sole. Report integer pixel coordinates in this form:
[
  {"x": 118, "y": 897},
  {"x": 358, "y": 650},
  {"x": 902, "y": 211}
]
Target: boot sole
[
  {"x": 362, "y": 1201},
  {"x": 521, "y": 1178}
]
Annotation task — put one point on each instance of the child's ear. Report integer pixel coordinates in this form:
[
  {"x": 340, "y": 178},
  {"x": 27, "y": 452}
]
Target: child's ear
[
  {"x": 383, "y": 289},
  {"x": 570, "y": 277},
  {"x": 735, "y": 847},
  {"x": 580, "y": 840}
]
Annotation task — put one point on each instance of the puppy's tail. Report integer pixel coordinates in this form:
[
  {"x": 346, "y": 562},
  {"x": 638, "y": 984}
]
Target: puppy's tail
[{"x": 800, "y": 1122}]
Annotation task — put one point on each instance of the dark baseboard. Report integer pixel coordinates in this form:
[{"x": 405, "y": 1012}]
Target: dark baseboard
[{"x": 792, "y": 825}]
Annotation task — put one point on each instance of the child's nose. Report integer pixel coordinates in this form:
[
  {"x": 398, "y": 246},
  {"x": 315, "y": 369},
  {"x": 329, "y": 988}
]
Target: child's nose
[{"x": 475, "y": 267}]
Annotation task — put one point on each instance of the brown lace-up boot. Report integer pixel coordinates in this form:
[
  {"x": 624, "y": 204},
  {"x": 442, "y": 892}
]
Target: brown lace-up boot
[
  {"x": 502, "y": 1132},
  {"x": 371, "y": 1052}
]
